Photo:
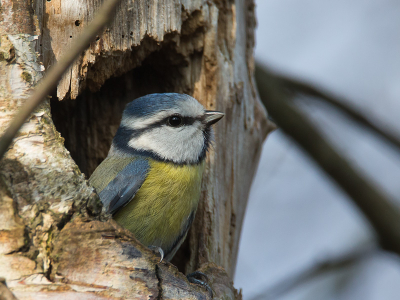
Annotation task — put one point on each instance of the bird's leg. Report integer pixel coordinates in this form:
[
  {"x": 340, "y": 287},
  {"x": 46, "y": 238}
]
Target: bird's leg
[
  {"x": 192, "y": 279},
  {"x": 157, "y": 250}
]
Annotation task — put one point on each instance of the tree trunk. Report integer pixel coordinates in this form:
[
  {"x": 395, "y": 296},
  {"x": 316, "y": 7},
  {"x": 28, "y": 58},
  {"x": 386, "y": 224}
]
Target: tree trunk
[{"x": 55, "y": 242}]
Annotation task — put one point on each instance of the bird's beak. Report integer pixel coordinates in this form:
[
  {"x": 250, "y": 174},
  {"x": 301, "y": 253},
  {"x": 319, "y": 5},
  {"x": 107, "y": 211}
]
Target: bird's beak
[{"x": 212, "y": 117}]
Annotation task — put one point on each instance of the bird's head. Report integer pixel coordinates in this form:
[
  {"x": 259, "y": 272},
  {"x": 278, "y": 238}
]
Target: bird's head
[{"x": 170, "y": 127}]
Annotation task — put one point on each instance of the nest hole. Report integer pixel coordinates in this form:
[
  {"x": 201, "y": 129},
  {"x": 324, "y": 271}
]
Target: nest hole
[{"x": 89, "y": 122}]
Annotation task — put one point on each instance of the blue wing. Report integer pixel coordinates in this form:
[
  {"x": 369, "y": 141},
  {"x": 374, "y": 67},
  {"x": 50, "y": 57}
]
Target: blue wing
[{"x": 121, "y": 190}]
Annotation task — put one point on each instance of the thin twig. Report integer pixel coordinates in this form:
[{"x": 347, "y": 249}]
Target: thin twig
[
  {"x": 383, "y": 215},
  {"x": 317, "y": 94},
  {"x": 105, "y": 14},
  {"x": 314, "y": 271}
]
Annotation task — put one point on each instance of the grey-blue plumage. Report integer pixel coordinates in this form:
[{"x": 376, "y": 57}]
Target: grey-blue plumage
[
  {"x": 152, "y": 104},
  {"x": 124, "y": 186}
]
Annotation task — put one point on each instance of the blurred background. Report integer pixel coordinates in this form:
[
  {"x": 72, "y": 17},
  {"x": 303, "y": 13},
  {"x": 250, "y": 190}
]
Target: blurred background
[{"x": 297, "y": 218}]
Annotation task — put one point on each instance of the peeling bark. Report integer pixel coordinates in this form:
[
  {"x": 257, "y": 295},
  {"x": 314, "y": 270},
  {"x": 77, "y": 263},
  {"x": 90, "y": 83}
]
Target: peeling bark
[{"x": 55, "y": 242}]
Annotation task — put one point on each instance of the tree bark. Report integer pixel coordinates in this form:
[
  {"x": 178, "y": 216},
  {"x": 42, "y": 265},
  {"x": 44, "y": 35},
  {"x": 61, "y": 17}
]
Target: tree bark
[{"x": 55, "y": 242}]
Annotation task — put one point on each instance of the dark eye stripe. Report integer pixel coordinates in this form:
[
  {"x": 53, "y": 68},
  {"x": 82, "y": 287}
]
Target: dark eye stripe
[
  {"x": 188, "y": 120},
  {"x": 127, "y": 133},
  {"x": 185, "y": 120}
]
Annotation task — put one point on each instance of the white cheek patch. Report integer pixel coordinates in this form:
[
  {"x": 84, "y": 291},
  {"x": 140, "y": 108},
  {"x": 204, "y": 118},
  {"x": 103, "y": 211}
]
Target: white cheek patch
[{"x": 183, "y": 144}]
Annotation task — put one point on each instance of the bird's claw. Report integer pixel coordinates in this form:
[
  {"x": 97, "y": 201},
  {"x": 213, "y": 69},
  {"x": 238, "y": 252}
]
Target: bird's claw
[
  {"x": 157, "y": 250},
  {"x": 192, "y": 279}
]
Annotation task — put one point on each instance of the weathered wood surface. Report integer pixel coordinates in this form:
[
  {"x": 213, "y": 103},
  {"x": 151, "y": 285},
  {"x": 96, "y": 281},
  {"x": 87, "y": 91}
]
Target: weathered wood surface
[
  {"x": 55, "y": 241},
  {"x": 140, "y": 27}
]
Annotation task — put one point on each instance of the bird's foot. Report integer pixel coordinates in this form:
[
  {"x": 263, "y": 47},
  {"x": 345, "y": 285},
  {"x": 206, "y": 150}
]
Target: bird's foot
[
  {"x": 157, "y": 250},
  {"x": 192, "y": 279}
]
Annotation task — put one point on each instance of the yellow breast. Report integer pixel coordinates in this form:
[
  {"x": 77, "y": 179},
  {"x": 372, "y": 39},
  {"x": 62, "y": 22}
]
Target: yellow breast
[{"x": 163, "y": 204}]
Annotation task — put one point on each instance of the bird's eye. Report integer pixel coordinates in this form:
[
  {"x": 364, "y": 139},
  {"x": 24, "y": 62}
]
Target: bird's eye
[{"x": 174, "y": 121}]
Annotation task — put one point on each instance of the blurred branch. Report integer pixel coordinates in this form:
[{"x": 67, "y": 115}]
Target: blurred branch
[
  {"x": 320, "y": 268},
  {"x": 54, "y": 74},
  {"x": 381, "y": 213},
  {"x": 5, "y": 293},
  {"x": 340, "y": 103}
]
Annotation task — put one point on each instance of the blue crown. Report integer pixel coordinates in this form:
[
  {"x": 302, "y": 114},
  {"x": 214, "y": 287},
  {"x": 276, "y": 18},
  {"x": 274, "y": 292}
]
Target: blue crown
[{"x": 153, "y": 103}]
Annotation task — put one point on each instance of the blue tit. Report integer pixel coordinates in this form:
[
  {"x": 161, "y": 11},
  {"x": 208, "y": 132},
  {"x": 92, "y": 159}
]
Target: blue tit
[{"x": 150, "y": 181}]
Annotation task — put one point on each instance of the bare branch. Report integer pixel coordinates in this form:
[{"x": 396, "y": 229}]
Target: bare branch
[
  {"x": 301, "y": 87},
  {"x": 383, "y": 215},
  {"x": 104, "y": 16},
  {"x": 314, "y": 271}
]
